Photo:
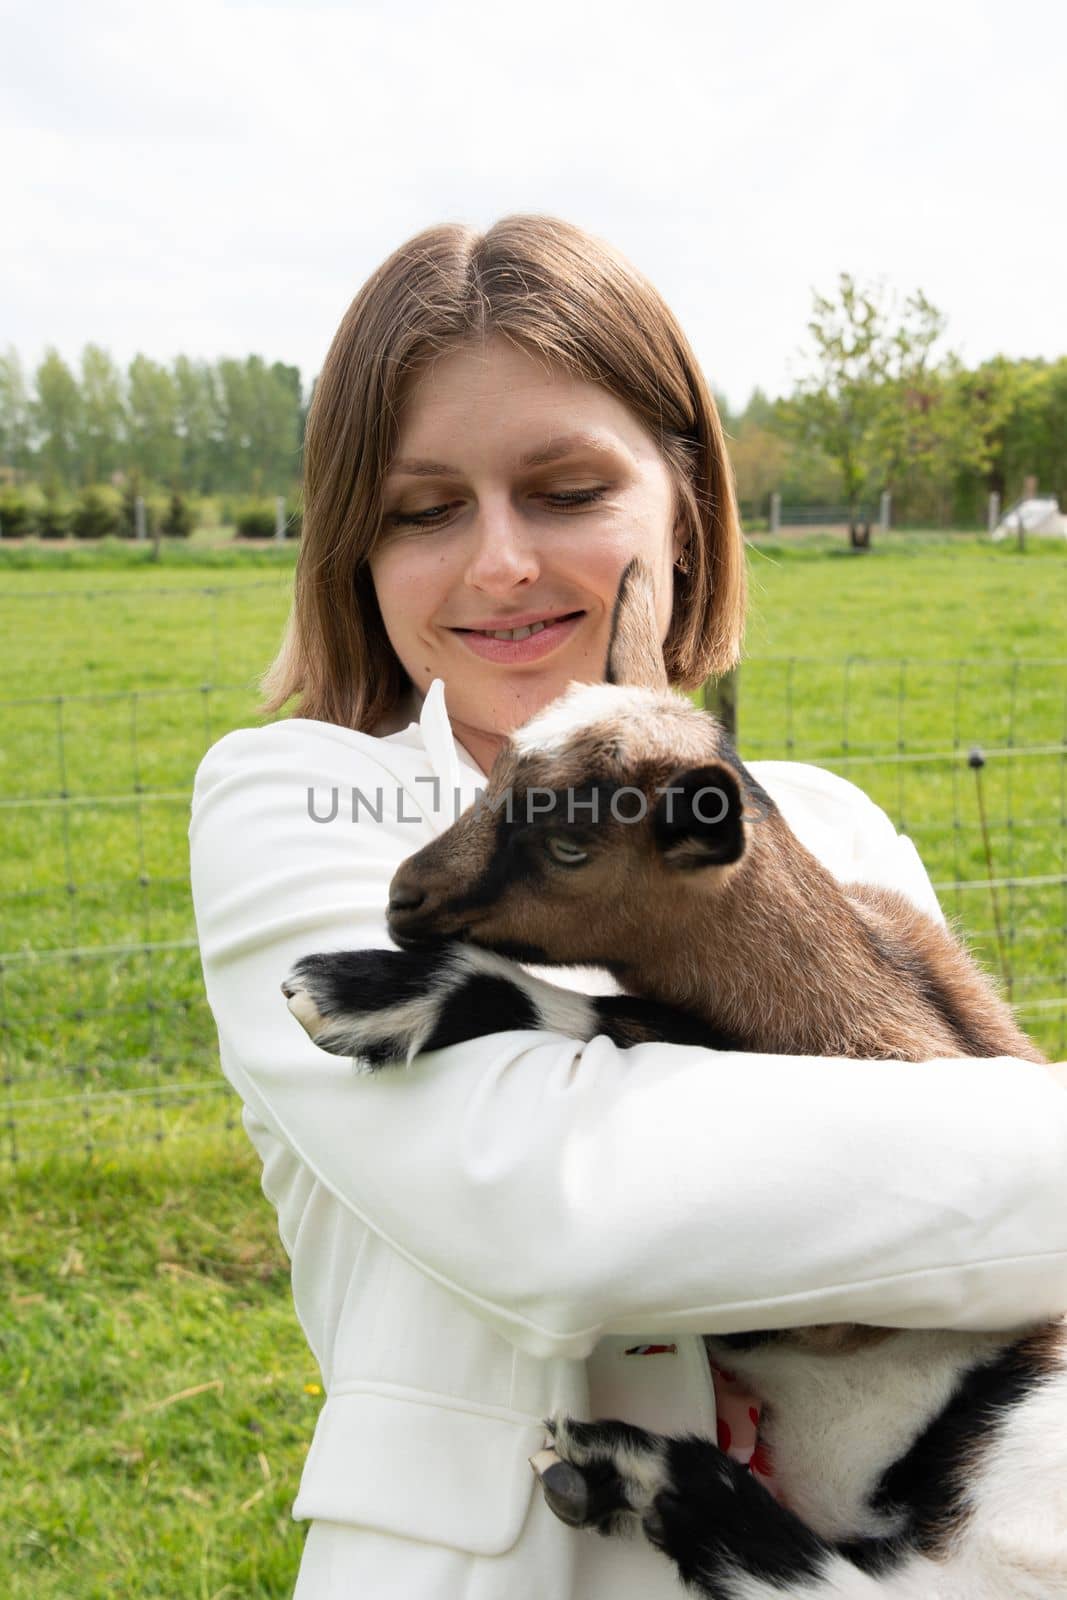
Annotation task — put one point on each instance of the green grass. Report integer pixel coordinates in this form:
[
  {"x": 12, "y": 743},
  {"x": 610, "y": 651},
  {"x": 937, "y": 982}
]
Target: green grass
[
  {"x": 150, "y": 1362},
  {"x": 156, "y": 1406},
  {"x": 208, "y": 547}
]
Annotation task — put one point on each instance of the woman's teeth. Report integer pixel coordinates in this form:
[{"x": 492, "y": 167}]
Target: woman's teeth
[{"x": 512, "y": 633}]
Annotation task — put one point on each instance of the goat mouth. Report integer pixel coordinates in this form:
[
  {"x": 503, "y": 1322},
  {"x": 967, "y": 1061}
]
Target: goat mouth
[{"x": 426, "y": 938}]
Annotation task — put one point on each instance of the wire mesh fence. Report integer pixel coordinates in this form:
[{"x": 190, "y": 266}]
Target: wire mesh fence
[{"x": 105, "y": 1036}]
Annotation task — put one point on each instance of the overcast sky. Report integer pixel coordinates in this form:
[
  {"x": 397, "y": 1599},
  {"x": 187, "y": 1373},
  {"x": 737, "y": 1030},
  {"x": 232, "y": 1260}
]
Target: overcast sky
[{"x": 219, "y": 179}]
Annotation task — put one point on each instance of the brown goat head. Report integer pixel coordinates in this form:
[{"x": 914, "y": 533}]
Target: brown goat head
[{"x": 602, "y": 816}]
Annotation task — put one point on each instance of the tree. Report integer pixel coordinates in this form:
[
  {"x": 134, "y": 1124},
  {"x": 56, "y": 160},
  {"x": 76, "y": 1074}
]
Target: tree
[
  {"x": 103, "y": 415},
  {"x": 15, "y": 412},
  {"x": 153, "y": 420},
  {"x": 758, "y": 457},
  {"x": 872, "y": 386},
  {"x": 262, "y": 411},
  {"x": 57, "y": 416},
  {"x": 199, "y": 423}
]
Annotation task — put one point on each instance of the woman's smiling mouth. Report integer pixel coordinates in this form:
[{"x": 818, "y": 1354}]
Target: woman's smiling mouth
[{"x": 528, "y": 639}]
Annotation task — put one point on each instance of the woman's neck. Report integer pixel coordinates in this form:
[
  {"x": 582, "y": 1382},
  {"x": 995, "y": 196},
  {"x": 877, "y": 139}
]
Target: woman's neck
[{"x": 482, "y": 747}]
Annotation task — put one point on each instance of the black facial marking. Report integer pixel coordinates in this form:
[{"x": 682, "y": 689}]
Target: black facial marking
[{"x": 532, "y": 954}]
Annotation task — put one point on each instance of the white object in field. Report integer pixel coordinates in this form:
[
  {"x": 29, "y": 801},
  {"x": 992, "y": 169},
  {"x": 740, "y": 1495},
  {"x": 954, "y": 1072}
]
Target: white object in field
[{"x": 1040, "y": 516}]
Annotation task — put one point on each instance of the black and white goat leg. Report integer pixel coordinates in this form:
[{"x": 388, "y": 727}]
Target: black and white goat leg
[
  {"x": 728, "y": 1538},
  {"x": 387, "y": 1006}
]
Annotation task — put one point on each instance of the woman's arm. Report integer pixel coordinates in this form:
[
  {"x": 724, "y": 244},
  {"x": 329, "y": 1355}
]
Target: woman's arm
[{"x": 565, "y": 1191}]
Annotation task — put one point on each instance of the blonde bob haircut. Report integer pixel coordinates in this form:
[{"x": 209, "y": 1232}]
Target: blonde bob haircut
[{"x": 558, "y": 293}]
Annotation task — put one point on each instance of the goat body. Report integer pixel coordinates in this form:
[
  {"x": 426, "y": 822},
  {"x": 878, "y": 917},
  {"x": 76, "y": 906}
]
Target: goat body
[{"x": 910, "y": 1464}]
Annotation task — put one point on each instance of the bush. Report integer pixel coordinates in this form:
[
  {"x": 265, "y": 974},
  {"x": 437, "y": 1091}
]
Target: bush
[
  {"x": 54, "y": 517},
  {"x": 16, "y": 515},
  {"x": 98, "y": 514},
  {"x": 155, "y": 509},
  {"x": 254, "y": 519},
  {"x": 178, "y": 520}
]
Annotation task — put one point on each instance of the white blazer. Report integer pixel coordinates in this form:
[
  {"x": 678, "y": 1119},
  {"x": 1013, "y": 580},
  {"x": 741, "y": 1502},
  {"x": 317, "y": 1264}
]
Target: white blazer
[{"x": 478, "y": 1240}]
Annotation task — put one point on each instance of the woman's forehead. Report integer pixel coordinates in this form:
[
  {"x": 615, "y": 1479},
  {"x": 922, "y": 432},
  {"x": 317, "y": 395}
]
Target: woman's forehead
[{"x": 516, "y": 413}]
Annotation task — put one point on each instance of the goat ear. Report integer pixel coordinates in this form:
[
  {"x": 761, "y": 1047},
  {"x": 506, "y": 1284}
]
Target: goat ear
[
  {"x": 635, "y": 654},
  {"x": 698, "y": 820}
]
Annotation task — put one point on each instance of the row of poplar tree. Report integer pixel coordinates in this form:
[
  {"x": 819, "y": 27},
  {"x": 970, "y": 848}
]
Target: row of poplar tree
[
  {"x": 881, "y": 404},
  {"x": 226, "y": 426}
]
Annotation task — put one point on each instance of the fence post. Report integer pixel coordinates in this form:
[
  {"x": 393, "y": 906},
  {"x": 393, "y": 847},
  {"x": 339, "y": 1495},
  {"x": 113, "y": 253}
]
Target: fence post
[
  {"x": 139, "y": 517},
  {"x": 993, "y": 513},
  {"x": 884, "y": 510},
  {"x": 279, "y": 517},
  {"x": 776, "y": 512},
  {"x": 720, "y": 698}
]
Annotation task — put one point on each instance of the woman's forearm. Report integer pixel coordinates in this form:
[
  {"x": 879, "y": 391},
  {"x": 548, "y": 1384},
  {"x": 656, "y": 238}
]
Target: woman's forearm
[{"x": 566, "y": 1190}]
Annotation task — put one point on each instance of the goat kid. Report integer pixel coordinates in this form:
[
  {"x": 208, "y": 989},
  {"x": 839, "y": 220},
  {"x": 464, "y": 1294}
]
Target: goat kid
[{"x": 909, "y": 1464}]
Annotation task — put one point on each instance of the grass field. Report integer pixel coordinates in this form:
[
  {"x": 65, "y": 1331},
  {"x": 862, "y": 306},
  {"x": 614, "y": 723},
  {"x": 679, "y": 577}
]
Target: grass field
[{"x": 157, "y": 1394}]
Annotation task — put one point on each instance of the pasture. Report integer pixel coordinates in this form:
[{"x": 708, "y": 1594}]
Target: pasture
[{"x": 157, "y": 1393}]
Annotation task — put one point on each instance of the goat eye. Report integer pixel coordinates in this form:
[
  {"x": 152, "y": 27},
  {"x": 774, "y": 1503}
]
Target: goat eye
[{"x": 565, "y": 851}]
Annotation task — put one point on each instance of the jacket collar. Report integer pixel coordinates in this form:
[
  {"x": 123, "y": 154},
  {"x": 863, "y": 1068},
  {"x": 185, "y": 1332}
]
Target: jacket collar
[{"x": 450, "y": 762}]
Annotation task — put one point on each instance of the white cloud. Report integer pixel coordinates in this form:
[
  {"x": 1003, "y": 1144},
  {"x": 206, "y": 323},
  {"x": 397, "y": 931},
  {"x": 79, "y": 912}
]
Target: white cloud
[{"x": 221, "y": 179}]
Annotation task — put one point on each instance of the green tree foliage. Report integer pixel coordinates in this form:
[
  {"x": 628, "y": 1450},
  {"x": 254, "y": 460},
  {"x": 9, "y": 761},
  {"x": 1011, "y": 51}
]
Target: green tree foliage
[
  {"x": 874, "y": 397},
  {"x": 199, "y": 426},
  {"x": 883, "y": 405},
  {"x": 103, "y": 416},
  {"x": 261, "y": 422},
  {"x": 152, "y": 404},
  {"x": 229, "y": 427},
  {"x": 16, "y": 424},
  {"x": 57, "y": 419}
]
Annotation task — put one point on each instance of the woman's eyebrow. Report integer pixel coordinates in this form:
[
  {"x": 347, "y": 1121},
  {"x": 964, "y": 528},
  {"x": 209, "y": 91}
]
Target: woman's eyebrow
[{"x": 564, "y": 445}]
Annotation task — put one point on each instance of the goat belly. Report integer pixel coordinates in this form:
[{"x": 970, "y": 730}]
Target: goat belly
[{"x": 864, "y": 1443}]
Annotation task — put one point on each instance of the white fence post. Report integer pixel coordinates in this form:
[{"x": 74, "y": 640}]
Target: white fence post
[
  {"x": 884, "y": 510},
  {"x": 776, "y": 512},
  {"x": 279, "y": 517},
  {"x": 139, "y": 517},
  {"x": 993, "y": 513}
]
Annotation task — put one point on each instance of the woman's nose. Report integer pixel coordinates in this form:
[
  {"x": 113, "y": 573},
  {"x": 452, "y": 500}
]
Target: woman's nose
[{"x": 503, "y": 553}]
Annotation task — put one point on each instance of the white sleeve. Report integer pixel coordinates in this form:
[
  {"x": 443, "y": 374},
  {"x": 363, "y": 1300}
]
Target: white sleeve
[{"x": 563, "y": 1190}]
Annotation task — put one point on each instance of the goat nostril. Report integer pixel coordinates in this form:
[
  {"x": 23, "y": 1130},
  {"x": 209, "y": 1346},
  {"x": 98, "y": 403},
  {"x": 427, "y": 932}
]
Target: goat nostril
[{"x": 406, "y": 899}]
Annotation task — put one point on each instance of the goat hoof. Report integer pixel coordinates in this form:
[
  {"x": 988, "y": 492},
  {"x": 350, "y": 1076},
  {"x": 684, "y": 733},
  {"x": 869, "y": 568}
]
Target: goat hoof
[{"x": 566, "y": 1493}]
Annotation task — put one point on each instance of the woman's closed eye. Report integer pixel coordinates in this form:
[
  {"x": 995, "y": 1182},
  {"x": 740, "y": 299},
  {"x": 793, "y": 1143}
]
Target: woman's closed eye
[{"x": 561, "y": 501}]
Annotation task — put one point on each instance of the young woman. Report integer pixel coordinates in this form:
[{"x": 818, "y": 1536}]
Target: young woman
[{"x": 523, "y": 1224}]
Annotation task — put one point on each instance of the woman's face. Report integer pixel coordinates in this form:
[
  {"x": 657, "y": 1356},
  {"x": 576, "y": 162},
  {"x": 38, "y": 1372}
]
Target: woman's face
[{"x": 516, "y": 497}]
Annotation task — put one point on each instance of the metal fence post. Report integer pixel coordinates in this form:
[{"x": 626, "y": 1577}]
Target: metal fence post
[
  {"x": 139, "y": 517},
  {"x": 776, "y": 512},
  {"x": 993, "y": 513},
  {"x": 884, "y": 511},
  {"x": 279, "y": 517}
]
